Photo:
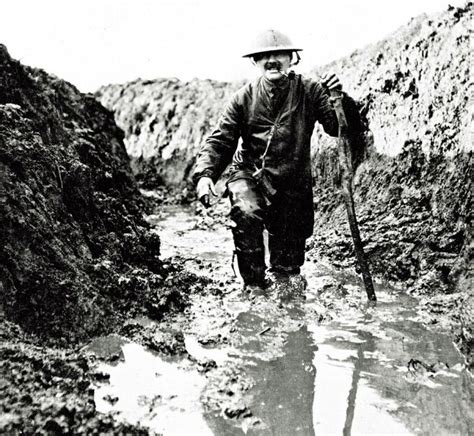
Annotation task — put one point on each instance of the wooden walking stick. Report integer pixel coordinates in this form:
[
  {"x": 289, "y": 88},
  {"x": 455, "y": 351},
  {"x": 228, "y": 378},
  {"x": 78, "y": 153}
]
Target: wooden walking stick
[{"x": 345, "y": 163}]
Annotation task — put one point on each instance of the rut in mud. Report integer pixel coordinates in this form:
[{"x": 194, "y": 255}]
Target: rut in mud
[{"x": 307, "y": 362}]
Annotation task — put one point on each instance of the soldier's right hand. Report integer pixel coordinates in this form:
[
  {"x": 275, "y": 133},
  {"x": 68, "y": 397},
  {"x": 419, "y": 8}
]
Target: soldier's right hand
[
  {"x": 204, "y": 188},
  {"x": 331, "y": 82}
]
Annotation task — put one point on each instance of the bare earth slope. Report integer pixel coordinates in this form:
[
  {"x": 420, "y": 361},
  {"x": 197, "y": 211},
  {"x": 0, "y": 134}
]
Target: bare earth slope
[
  {"x": 77, "y": 257},
  {"x": 165, "y": 121},
  {"x": 413, "y": 188},
  {"x": 76, "y": 254}
]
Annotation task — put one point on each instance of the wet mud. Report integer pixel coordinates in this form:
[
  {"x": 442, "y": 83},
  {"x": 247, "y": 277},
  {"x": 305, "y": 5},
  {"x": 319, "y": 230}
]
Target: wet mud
[
  {"x": 319, "y": 360},
  {"x": 107, "y": 327},
  {"x": 412, "y": 184},
  {"x": 77, "y": 258}
]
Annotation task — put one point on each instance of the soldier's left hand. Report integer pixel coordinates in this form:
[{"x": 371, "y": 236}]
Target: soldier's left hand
[{"x": 331, "y": 81}]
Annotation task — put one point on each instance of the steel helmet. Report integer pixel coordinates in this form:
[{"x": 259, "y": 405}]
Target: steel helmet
[{"x": 270, "y": 40}]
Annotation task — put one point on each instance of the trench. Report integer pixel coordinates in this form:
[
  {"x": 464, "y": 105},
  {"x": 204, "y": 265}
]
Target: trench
[{"x": 314, "y": 361}]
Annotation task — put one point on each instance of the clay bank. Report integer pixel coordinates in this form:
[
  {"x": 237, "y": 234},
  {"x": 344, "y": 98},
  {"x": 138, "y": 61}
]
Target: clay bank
[{"x": 121, "y": 312}]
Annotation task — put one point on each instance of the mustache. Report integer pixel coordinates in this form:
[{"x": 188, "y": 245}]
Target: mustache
[{"x": 273, "y": 65}]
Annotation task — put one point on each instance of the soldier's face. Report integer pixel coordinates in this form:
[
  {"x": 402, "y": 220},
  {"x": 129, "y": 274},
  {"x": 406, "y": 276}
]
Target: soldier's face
[{"x": 273, "y": 64}]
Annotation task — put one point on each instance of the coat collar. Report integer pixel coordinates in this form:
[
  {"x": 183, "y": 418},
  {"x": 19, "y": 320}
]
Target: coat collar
[{"x": 271, "y": 86}]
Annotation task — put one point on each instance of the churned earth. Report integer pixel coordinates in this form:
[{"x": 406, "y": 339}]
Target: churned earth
[
  {"x": 121, "y": 312},
  {"x": 289, "y": 361},
  {"x": 77, "y": 257}
]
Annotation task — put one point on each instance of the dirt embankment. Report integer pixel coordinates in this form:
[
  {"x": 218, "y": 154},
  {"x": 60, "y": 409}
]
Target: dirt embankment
[
  {"x": 165, "y": 121},
  {"x": 77, "y": 257},
  {"x": 413, "y": 187},
  {"x": 76, "y": 252}
]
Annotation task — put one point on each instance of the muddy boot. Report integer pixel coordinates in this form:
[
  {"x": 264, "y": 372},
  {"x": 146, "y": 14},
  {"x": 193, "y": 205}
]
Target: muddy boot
[
  {"x": 298, "y": 282},
  {"x": 287, "y": 285},
  {"x": 277, "y": 279}
]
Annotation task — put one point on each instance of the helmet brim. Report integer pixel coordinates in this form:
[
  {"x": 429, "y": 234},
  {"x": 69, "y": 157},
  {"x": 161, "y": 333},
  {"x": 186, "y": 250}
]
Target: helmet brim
[{"x": 269, "y": 49}]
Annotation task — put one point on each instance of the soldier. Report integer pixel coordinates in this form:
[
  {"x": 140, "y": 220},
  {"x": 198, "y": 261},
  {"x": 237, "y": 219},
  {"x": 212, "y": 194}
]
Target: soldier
[{"x": 270, "y": 181}]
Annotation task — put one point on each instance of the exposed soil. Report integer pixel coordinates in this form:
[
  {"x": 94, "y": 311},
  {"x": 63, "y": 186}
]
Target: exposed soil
[
  {"x": 47, "y": 390},
  {"x": 84, "y": 284},
  {"x": 77, "y": 257},
  {"x": 413, "y": 190}
]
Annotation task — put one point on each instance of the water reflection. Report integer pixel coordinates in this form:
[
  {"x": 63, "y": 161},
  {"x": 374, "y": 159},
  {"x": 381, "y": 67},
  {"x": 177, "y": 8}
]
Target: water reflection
[
  {"x": 344, "y": 403},
  {"x": 285, "y": 395},
  {"x": 346, "y": 377},
  {"x": 363, "y": 385},
  {"x": 154, "y": 392}
]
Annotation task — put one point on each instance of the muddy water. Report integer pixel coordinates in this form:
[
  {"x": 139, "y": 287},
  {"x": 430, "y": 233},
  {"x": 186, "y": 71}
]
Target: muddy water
[{"x": 320, "y": 361}]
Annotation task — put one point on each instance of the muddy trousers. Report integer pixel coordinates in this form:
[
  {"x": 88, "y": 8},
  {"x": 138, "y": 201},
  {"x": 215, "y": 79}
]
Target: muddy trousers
[{"x": 251, "y": 216}]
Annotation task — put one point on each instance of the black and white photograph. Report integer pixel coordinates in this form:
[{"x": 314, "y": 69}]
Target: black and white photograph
[{"x": 236, "y": 218}]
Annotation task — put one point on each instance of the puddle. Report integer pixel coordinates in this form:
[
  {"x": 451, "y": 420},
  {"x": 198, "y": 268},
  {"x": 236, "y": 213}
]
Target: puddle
[
  {"x": 146, "y": 389},
  {"x": 180, "y": 237},
  {"x": 348, "y": 376}
]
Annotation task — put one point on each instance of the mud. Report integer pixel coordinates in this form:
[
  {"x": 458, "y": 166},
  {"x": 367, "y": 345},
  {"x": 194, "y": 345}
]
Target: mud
[
  {"x": 106, "y": 327},
  {"x": 73, "y": 236},
  {"x": 46, "y": 390},
  {"x": 412, "y": 188},
  {"x": 77, "y": 258},
  {"x": 290, "y": 361}
]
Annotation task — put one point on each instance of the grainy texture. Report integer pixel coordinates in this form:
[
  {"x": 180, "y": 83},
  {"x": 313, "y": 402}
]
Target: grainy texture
[
  {"x": 50, "y": 390},
  {"x": 165, "y": 121},
  {"x": 76, "y": 255},
  {"x": 412, "y": 190}
]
